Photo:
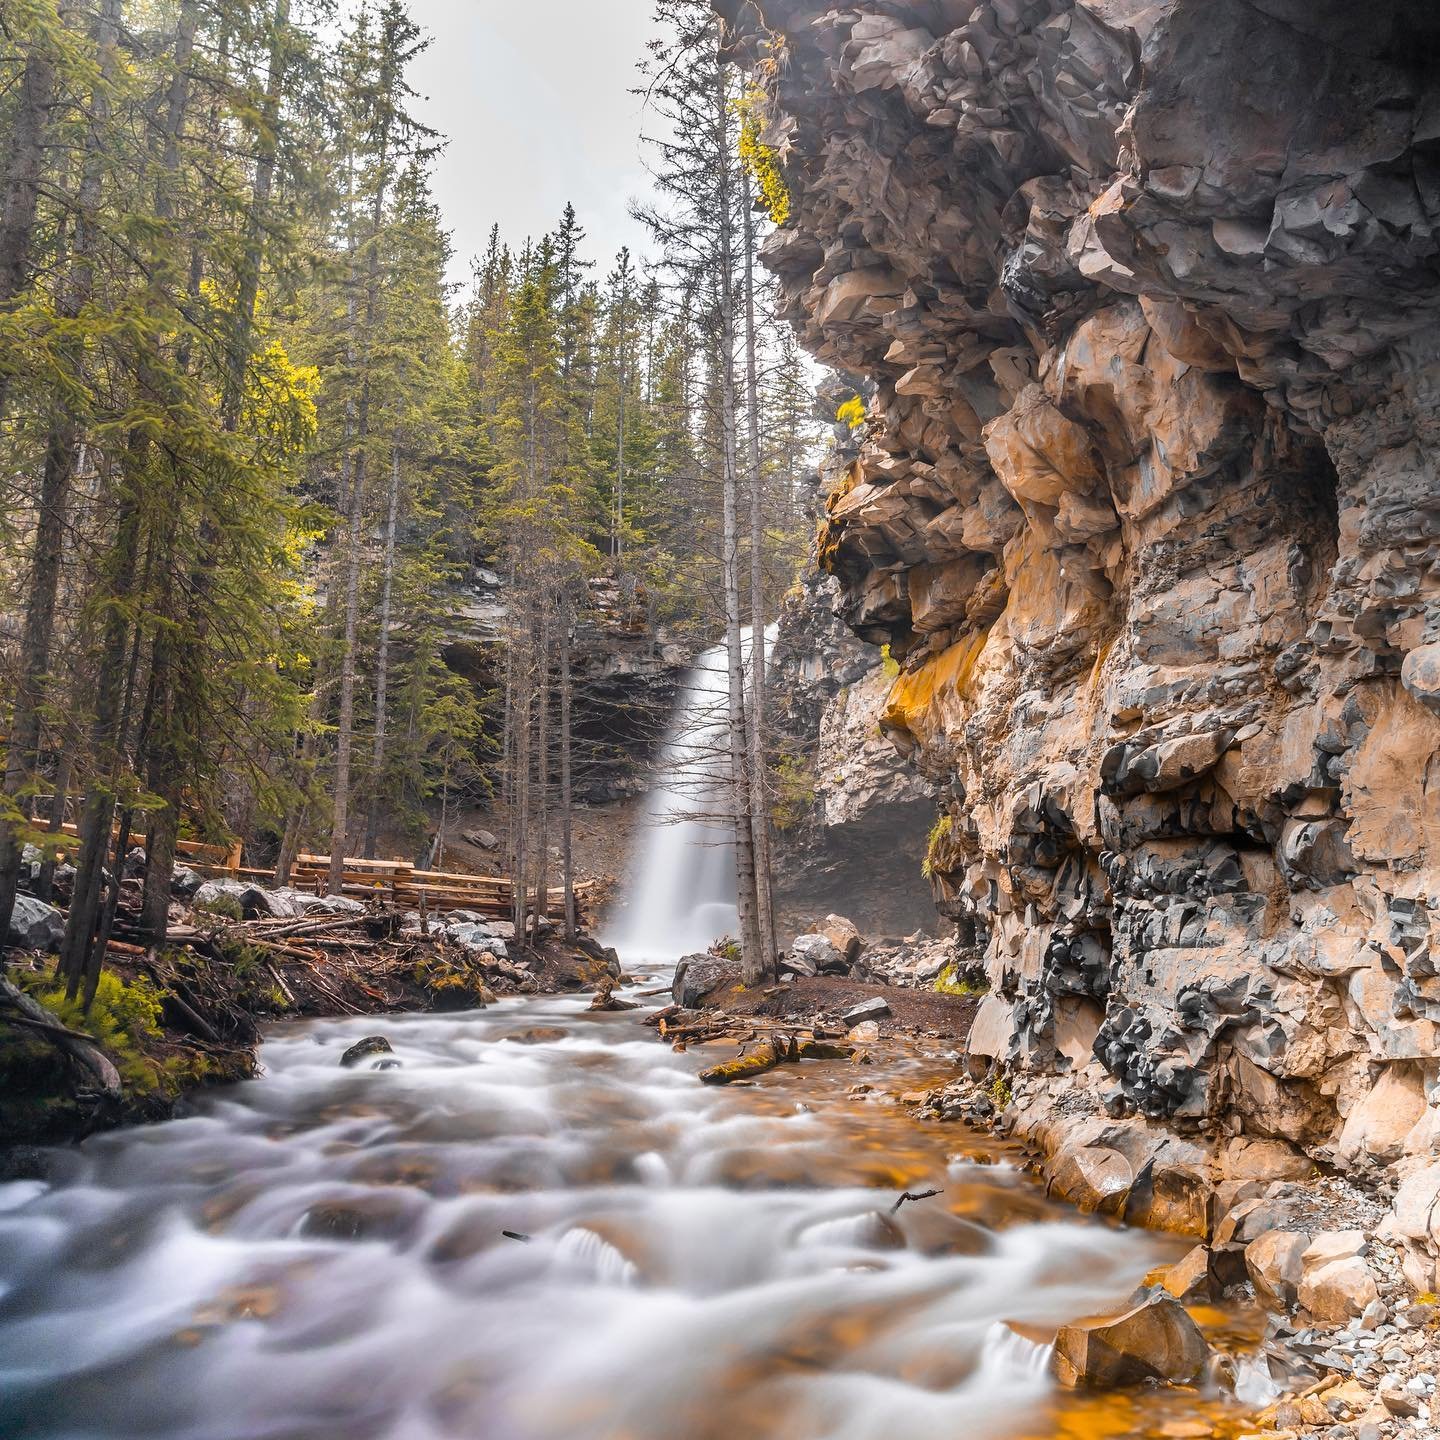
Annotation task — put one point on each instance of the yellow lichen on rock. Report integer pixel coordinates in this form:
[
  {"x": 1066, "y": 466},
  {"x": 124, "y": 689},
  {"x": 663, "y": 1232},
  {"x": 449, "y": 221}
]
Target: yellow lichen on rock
[{"x": 915, "y": 709}]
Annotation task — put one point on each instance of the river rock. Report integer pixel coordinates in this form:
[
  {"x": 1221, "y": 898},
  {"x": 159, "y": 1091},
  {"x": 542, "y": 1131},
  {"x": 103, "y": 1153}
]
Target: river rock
[
  {"x": 700, "y": 977},
  {"x": 797, "y": 962},
  {"x": 1332, "y": 1291},
  {"x": 876, "y": 1008},
  {"x": 1156, "y": 1340},
  {"x": 844, "y": 935},
  {"x": 1273, "y": 1261},
  {"x": 185, "y": 883},
  {"x": 816, "y": 955},
  {"x": 34, "y": 925},
  {"x": 363, "y": 1049}
]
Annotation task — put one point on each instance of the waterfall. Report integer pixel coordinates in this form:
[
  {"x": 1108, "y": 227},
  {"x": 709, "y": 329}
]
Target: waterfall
[{"x": 681, "y": 887}]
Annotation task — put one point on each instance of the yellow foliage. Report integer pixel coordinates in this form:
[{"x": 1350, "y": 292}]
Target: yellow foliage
[
  {"x": 852, "y": 412},
  {"x": 939, "y": 834},
  {"x": 760, "y": 159}
]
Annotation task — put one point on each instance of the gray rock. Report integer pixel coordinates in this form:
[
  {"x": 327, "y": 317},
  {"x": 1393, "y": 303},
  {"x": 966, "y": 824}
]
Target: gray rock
[
  {"x": 874, "y": 1009},
  {"x": 699, "y": 977},
  {"x": 363, "y": 1049},
  {"x": 817, "y": 952},
  {"x": 35, "y": 925}
]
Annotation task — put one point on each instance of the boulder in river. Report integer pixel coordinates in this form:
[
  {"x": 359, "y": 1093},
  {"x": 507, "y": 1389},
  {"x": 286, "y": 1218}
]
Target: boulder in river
[
  {"x": 698, "y": 977},
  {"x": 1156, "y": 1340},
  {"x": 34, "y": 925},
  {"x": 363, "y": 1049}
]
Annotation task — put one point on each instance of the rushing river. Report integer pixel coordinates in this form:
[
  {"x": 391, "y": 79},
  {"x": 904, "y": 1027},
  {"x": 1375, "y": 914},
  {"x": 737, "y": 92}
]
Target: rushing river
[{"x": 321, "y": 1254}]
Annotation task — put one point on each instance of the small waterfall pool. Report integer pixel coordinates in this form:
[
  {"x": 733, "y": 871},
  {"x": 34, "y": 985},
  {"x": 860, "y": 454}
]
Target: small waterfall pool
[{"x": 322, "y": 1254}]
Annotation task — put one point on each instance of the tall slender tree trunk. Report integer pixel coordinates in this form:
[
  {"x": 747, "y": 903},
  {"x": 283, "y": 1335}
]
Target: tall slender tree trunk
[
  {"x": 345, "y": 725},
  {"x": 520, "y": 786},
  {"x": 382, "y": 658},
  {"x": 753, "y": 962},
  {"x": 24, "y": 166},
  {"x": 542, "y": 774},
  {"x": 567, "y": 818},
  {"x": 117, "y": 668},
  {"x": 759, "y": 800}
]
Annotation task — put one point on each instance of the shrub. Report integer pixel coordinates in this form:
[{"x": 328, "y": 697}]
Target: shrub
[
  {"x": 852, "y": 413},
  {"x": 123, "y": 1020},
  {"x": 939, "y": 834},
  {"x": 760, "y": 159},
  {"x": 226, "y": 907},
  {"x": 951, "y": 981}
]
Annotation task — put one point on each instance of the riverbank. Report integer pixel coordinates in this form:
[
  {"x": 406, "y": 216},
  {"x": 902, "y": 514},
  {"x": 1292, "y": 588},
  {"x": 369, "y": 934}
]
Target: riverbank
[
  {"x": 169, "y": 1023},
  {"x": 1344, "y": 1349}
]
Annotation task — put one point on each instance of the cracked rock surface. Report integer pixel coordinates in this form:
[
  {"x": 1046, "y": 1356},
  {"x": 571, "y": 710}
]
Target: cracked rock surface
[{"x": 1147, "y": 511}]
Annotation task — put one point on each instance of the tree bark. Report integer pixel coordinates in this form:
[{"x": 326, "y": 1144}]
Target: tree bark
[
  {"x": 382, "y": 659},
  {"x": 567, "y": 822},
  {"x": 759, "y": 800},
  {"x": 29, "y": 131},
  {"x": 752, "y": 955}
]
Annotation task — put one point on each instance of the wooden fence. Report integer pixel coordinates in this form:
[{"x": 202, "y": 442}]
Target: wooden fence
[{"x": 397, "y": 881}]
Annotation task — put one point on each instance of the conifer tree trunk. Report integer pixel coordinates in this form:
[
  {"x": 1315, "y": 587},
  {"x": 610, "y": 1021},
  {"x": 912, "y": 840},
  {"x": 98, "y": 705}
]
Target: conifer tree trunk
[
  {"x": 382, "y": 658},
  {"x": 759, "y": 802},
  {"x": 63, "y": 444},
  {"x": 567, "y": 819},
  {"x": 345, "y": 726},
  {"x": 753, "y": 961},
  {"x": 543, "y": 771},
  {"x": 24, "y": 168}
]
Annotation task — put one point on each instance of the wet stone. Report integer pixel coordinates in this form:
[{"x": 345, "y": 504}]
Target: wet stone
[{"x": 363, "y": 1049}]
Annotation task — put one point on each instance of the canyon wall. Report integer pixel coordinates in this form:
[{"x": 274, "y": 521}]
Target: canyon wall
[{"x": 1147, "y": 511}]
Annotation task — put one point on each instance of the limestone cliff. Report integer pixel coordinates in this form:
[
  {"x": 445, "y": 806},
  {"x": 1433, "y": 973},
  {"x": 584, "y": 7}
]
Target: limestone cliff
[{"x": 1148, "y": 512}]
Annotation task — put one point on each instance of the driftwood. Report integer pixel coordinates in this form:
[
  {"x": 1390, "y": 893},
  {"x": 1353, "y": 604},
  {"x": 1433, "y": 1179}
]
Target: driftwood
[
  {"x": 914, "y": 1195},
  {"x": 81, "y": 1048}
]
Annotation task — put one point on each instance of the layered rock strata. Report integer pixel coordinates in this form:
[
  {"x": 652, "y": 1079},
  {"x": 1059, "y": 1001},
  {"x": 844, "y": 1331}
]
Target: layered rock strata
[{"x": 1148, "y": 513}]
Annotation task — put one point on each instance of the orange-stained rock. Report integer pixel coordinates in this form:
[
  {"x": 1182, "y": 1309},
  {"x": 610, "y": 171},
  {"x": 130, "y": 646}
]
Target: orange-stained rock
[{"x": 1156, "y": 1340}]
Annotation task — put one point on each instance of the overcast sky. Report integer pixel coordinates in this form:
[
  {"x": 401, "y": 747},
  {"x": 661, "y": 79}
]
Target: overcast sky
[{"x": 534, "y": 97}]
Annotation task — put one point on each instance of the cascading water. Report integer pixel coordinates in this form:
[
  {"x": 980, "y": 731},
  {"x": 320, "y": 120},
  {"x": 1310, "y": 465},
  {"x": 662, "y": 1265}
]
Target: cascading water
[
  {"x": 540, "y": 1227},
  {"x": 681, "y": 889}
]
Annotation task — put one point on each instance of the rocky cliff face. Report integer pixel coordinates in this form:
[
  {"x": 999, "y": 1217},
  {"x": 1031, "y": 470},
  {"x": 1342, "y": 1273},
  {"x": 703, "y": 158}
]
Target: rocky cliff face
[
  {"x": 853, "y": 813},
  {"x": 1148, "y": 512},
  {"x": 626, "y": 673}
]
